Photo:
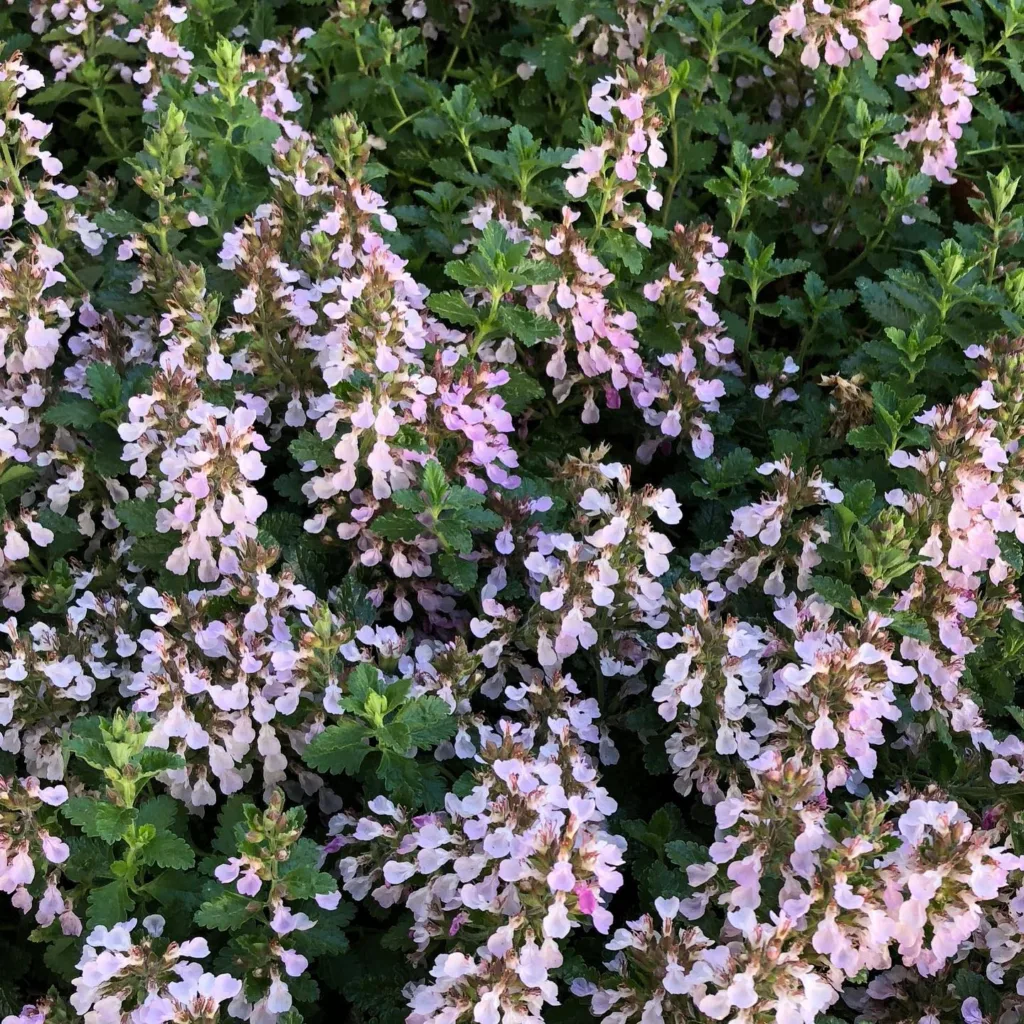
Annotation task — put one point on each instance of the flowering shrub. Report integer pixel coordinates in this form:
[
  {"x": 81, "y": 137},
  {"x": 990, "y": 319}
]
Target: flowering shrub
[{"x": 511, "y": 512}]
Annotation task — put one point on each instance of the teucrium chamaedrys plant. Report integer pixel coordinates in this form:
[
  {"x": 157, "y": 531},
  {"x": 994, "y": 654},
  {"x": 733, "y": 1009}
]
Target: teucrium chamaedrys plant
[{"x": 512, "y": 512}]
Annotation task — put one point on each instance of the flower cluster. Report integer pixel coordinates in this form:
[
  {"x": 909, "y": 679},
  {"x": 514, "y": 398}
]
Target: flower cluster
[
  {"x": 425, "y": 546},
  {"x": 842, "y": 30},
  {"x": 944, "y": 86}
]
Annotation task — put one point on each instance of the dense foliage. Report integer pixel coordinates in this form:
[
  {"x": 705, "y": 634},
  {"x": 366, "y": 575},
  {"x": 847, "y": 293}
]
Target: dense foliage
[{"x": 512, "y": 511}]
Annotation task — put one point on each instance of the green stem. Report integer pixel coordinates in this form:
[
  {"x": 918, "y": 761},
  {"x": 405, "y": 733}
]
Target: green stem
[
  {"x": 469, "y": 152},
  {"x": 750, "y": 332},
  {"x": 805, "y": 343},
  {"x": 484, "y": 330},
  {"x": 833, "y": 90},
  {"x": 405, "y": 120},
  {"x": 675, "y": 174},
  {"x": 867, "y": 249},
  {"x": 101, "y": 116},
  {"x": 398, "y": 104},
  {"x": 462, "y": 38}
]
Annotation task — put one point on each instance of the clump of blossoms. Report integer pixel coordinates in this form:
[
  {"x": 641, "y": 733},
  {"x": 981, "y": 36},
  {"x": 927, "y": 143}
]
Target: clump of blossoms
[
  {"x": 942, "y": 105},
  {"x": 435, "y": 584},
  {"x": 842, "y": 30},
  {"x": 121, "y": 974},
  {"x": 625, "y": 148},
  {"x": 519, "y": 862}
]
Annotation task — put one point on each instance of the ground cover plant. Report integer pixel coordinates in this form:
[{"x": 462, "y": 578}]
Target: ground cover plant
[{"x": 512, "y": 511}]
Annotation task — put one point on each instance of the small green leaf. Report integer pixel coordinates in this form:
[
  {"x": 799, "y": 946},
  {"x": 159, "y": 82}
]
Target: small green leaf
[
  {"x": 453, "y": 307},
  {"x": 457, "y": 571},
  {"x": 110, "y": 904},
  {"x": 226, "y": 910},
  {"x": 683, "y": 853},
  {"x": 105, "y": 384},
  {"x": 98, "y": 819},
  {"x": 435, "y": 483},
  {"x": 527, "y": 327},
  {"x": 310, "y": 447},
  {"x": 138, "y": 515},
  {"x": 400, "y": 525},
  {"x": 429, "y": 720},
  {"x": 837, "y": 594},
  {"x": 340, "y": 748},
  {"x": 168, "y": 851},
  {"x": 72, "y": 412}
]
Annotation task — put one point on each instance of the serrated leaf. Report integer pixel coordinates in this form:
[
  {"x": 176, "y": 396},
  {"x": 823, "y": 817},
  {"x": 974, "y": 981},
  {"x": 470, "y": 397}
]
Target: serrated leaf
[
  {"x": 411, "y": 781},
  {"x": 453, "y": 307},
  {"x": 461, "y": 573},
  {"x": 868, "y": 438},
  {"x": 837, "y": 593},
  {"x": 310, "y": 447},
  {"x": 435, "y": 483},
  {"x": 105, "y": 384},
  {"x": 907, "y": 624},
  {"x": 15, "y": 479},
  {"x": 153, "y": 760},
  {"x": 110, "y": 904},
  {"x": 429, "y": 720},
  {"x": 226, "y": 910},
  {"x": 400, "y": 525},
  {"x": 138, "y": 515},
  {"x": 163, "y": 812},
  {"x": 72, "y": 412},
  {"x": 520, "y": 391},
  {"x": 97, "y": 818},
  {"x": 340, "y": 748},
  {"x": 167, "y": 850},
  {"x": 683, "y": 852},
  {"x": 527, "y": 327}
]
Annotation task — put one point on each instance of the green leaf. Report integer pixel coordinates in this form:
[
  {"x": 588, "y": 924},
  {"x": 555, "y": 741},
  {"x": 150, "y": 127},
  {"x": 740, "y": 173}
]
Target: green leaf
[
  {"x": 301, "y": 872},
  {"x": 110, "y": 904},
  {"x": 72, "y": 412},
  {"x": 410, "y": 500},
  {"x": 310, "y": 447},
  {"x": 163, "y": 812},
  {"x": 226, "y": 910},
  {"x": 683, "y": 853},
  {"x": 837, "y": 594},
  {"x": 527, "y": 327},
  {"x": 410, "y": 781},
  {"x": 167, "y": 850},
  {"x": 363, "y": 680},
  {"x": 105, "y": 384},
  {"x": 520, "y": 392},
  {"x": 15, "y": 479},
  {"x": 107, "y": 449},
  {"x": 340, "y": 748},
  {"x": 455, "y": 534},
  {"x": 429, "y": 720},
  {"x": 457, "y": 571},
  {"x": 153, "y": 760},
  {"x": 868, "y": 438},
  {"x": 97, "y": 818},
  {"x": 138, "y": 515},
  {"x": 62, "y": 526},
  {"x": 907, "y": 624},
  {"x": 400, "y": 525},
  {"x": 118, "y": 222},
  {"x": 435, "y": 483},
  {"x": 453, "y": 307}
]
